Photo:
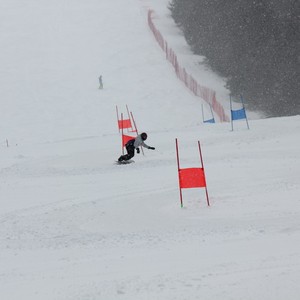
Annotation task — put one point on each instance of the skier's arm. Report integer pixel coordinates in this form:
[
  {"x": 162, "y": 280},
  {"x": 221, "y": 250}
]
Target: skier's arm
[{"x": 148, "y": 147}]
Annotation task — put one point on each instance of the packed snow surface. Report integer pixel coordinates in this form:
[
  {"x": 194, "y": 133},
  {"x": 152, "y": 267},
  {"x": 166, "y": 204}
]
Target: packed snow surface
[{"x": 74, "y": 225}]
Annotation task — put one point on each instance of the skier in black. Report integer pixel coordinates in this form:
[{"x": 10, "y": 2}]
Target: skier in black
[{"x": 134, "y": 144}]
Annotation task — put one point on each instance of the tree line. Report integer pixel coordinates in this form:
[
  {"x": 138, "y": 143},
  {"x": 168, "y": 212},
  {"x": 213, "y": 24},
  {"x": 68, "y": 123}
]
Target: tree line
[{"x": 254, "y": 44}]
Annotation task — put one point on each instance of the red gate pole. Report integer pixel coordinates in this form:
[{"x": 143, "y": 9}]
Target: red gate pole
[
  {"x": 178, "y": 166},
  {"x": 136, "y": 130},
  {"x": 128, "y": 115},
  {"x": 202, "y": 165},
  {"x": 122, "y": 133}
]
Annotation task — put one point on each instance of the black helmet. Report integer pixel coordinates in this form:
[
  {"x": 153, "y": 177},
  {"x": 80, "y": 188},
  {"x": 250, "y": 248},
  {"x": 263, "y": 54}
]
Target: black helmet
[{"x": 144, "y": 136}]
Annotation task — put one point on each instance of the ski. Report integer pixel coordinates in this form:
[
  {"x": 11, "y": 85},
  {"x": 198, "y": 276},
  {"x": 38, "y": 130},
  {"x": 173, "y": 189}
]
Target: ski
[{"x": 124, "y": 162}]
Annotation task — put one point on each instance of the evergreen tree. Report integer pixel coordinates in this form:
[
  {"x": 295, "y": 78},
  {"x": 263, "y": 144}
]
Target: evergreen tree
[{"x": 254, "y": 44}]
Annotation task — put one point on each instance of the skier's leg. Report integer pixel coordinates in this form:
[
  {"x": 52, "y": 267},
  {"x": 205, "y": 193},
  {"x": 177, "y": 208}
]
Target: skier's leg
[{"x": 130, "y": 153}]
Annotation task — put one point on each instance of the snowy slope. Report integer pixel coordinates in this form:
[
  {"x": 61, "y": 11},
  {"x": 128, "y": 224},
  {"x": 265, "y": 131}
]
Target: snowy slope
[{"x": 76, "y": 226}]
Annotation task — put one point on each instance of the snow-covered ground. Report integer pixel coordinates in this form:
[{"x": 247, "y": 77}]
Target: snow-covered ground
[{"x": 76, "y": 226}]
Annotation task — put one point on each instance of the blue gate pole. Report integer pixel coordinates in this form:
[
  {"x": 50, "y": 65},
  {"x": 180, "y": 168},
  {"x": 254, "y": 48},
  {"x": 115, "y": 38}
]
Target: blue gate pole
[
  {"x": 212, "y": 113},
  {"x": 244, "y": 111},
  {"x": 231, "y": 113}
]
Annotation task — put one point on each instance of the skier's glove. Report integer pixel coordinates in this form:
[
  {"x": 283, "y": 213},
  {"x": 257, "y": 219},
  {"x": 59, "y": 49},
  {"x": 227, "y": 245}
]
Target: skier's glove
[
  {"x": 138, "y": 150},
  {"x": 151, "y": 148}
]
